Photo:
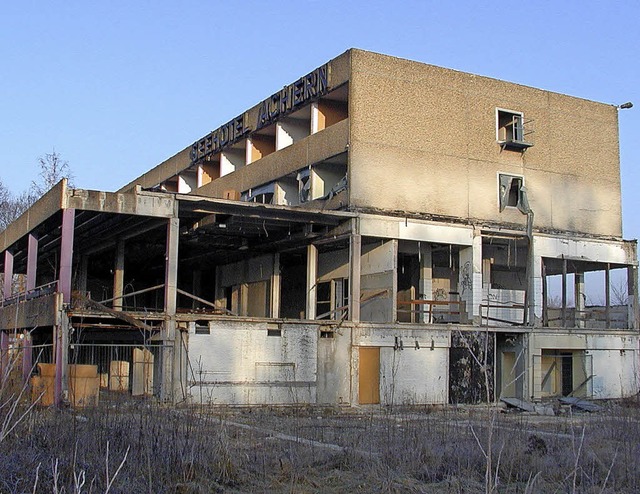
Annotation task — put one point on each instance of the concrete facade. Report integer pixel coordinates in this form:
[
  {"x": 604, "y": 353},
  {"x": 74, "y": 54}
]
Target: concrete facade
[{"x": 379, "y": 231}]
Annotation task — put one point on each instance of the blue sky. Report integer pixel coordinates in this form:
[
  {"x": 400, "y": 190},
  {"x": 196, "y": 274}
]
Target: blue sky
[{"x": 117, "y": 87}]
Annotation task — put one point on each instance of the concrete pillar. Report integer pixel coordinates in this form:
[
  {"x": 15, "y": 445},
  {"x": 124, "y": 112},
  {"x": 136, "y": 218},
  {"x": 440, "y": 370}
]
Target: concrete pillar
[
  {"x": 27, "y": 356},
  {"x": 170, "y": 372},
  {"x": 66, "y": 254},
  {"x": 470, "y": 281},
  {"x": 8, "y": 274},
  {"x": 394, "y": 279},
  {"x": 355, "y": 260},
  {"x": 275, "y": 287},
  {"x": 61, "y": 347},
  {"x": 632, "y": 292},
  {"x": 426, "y": 279},
  {"x": 118, "y": 275},
  {"x": 477, "y": 277},
  {"x": 171, "y": 267},
  {"x": 564, "y": 292},
  {"x": 545, "y": 295},
  {"x": 32, "y": 261},
  {"x": 579, "y": 297},
  {"x": 607, "y": 295},
  {"x": 312, "y": 277},
  {"x": 4, "y": 356},
  {"x": 534, "y": 286}
]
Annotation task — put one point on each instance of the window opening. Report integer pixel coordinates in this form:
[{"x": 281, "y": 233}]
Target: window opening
[
  {"x": 262, "y": 194},
  {"x": 513, "y": 193},
  {"x": 513, "y": 130},
  {"x": 304, "y": 184},
  {"x": 332, "y": 298}
]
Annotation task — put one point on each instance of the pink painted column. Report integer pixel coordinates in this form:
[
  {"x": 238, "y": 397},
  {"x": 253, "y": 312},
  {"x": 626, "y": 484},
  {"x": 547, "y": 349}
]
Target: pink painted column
[
  {"x": 8, "y": 274},
  {"x": 66, "y": 254},
  {"x": 32, "y": 261},
  {"x": 64, "y": 287}
]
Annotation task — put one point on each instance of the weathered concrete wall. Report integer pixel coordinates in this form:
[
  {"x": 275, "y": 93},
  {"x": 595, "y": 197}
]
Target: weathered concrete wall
[
  {"x": 409, "y": 373},
  {"x": 334, "y": 369},
  {"x": 423, "y": 138},
  {"x": 612, "y": 360},
  {"x": 30, "y": 314},
  {"x": 411, "y": 376},
  {"x": 240, "y": 363},
  {"x": 378, "y": 284},
  {"x": 412, "y": 229},
  {"x": 615, "y": 365},
  {"x": 138, "y": 203}
]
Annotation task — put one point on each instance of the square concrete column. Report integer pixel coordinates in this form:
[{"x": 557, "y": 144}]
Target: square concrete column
[
  {"x": 4, "y": 355},
  {"x": 579, "y": 297},
  {"x": 61, "y": 347},
  {"x": 607, "y": 295},
  {"x": 7, "y": 288},
  {"x": 171, "y": 374},
  {"x": 32, "y": 261},
  {"x": 275, "y": 287},
  {"x": 171, "y": 267},
  {"x": 632, "y": 294},
  {"x": 470, "y": 279},
  {"x": 426, "y": 279},
  {"x": 27, "y": 356},
  {"x": 355, "y": 263},
  {"x": 66, "y": 254},
  {"x": 118, "y": 275},
  {"x": 535, "y": 287},
  {"x": 312, "y": 277}
]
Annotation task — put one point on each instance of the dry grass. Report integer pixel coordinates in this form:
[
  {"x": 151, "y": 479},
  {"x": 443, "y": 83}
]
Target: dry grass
[{"x": 317, "y": 449}]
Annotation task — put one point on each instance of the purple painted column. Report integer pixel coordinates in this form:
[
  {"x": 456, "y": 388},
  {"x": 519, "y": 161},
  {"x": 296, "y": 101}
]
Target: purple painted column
[
  {"x": 64, "y": 287},
  {"x": 8, "y": 274},
  {"x": 27, "y": 357},
  {"x": 32, "y": 261},
  {"x": 66, "y": 254},
  {"x": 57, "y": 347},
  {"x": 4, "y": 355}
]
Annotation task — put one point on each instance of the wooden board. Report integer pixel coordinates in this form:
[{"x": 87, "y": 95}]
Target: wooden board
[{"x": 369, "y": 376}]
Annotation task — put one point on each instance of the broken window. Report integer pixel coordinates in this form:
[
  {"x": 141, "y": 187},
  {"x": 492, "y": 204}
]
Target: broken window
[
  {"x": 512, "y": 193},
  {"x": 332, "y": 298},
  {"x": 304, "y": 184},
  {"x": 262, "y": 194},
  {"x": 512, "y": 129}
]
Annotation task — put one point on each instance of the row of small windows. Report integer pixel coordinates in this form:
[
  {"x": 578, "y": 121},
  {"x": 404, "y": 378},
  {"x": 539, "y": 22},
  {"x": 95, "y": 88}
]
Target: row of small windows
[{"x": 288, "y": 130}]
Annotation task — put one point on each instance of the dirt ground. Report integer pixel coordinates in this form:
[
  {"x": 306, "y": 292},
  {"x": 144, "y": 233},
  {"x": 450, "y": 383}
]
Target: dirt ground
[{"x": 311, "y": 449}]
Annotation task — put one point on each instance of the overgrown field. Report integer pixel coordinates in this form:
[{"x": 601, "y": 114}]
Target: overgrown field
[{"x": 127, "y": 446}]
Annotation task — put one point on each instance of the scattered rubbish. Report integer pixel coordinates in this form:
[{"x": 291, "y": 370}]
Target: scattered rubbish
[
  {"x": 580, "y": 403},
  {"x": 528, "y": 406}
]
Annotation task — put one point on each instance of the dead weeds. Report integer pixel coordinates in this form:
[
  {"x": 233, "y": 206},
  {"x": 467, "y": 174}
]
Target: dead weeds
[{"x": 318, "y": 450}]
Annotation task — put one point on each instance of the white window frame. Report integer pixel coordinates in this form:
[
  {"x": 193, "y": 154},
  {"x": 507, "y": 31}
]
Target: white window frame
[{"x": 505, "y": 110}]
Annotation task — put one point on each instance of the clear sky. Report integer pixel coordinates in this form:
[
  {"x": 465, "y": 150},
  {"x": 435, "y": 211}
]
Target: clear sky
[{"x": 117, "y": 87}]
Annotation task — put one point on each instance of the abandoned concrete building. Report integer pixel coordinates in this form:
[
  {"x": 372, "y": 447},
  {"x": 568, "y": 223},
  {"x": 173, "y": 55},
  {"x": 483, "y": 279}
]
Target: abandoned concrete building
[{"x": 378, "y": 231}]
